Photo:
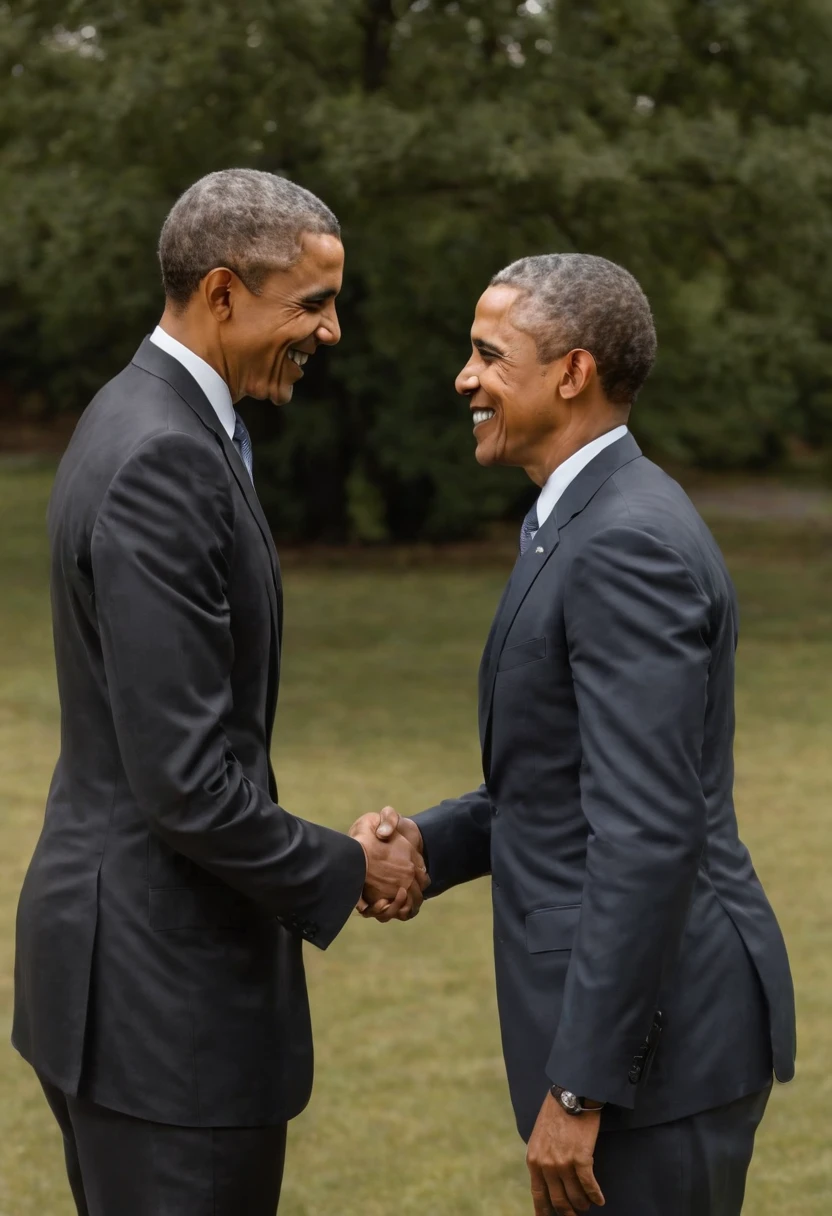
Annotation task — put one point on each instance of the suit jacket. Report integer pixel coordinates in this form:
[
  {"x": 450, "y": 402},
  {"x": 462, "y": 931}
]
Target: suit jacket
[
  {"x": 638, "y": 961},
  {"x": 159, "y": 964}
]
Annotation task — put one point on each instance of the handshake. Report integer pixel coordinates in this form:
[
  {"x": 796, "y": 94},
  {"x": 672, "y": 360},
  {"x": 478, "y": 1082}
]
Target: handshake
[{"x": 396, "y": 875}]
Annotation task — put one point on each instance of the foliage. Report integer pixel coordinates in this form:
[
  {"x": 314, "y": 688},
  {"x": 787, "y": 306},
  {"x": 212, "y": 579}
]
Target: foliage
[{"x": 690, "y": 140}]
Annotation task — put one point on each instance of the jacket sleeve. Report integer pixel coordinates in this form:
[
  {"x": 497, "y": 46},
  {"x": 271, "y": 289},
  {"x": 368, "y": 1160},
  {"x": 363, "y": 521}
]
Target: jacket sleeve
[
  {"x": 457, "y": 839},
  {"x": 161, "y": 550},
  {"x": 637, "y": 630}
]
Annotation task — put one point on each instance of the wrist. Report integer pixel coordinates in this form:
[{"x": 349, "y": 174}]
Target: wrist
[
  {"x": 574, "y": 1104},
  {"x": 366, "y": 853}
]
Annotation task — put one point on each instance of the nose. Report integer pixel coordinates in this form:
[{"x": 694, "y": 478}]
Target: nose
[
  {"x": 329, "y": 330},
  {"x": 467, "y": 382}
]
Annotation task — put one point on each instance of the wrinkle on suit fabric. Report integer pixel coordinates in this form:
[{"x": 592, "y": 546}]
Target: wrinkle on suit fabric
[
  {"x": 608, "y": 788},
  {"x": 159, "y": 968}
]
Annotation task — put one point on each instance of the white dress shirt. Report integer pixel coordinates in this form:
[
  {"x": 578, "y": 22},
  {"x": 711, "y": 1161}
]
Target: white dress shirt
[
  {"x": 211, "y": 382},
  {"x": 569, "y": 470}
]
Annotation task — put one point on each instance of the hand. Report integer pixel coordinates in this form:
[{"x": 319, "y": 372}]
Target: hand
[
  {"x": 560, "y": 1158},
  {"x": 389, "y": 823},
  {"x": 396, "y": 874}
]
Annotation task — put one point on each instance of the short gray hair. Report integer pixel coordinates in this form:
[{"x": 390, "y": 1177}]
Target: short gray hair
[
  {"x": 578, "y": 301},
  {"x": 246, "y": 220}
]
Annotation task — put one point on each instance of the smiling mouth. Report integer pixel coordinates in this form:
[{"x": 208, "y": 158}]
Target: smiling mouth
[
  {"x": 481, "y": 416},
  {"x": 298, "y": 356}
]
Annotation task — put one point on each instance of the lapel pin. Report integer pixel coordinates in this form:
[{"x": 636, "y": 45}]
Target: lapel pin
[{"x": 540, "y": 549}]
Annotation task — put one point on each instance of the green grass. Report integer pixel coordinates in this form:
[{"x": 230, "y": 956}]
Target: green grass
[{"x": 410, "y": 1111}]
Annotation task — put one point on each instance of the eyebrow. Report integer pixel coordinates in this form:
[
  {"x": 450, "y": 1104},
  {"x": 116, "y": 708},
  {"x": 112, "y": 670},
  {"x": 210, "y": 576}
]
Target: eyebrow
[{"x": 486, "y": 348}]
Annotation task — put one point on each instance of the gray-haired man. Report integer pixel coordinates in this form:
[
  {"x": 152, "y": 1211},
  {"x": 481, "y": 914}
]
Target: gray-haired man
[
  {"x": 642, "y": 979},
  {"x": 160, "y": 992}
]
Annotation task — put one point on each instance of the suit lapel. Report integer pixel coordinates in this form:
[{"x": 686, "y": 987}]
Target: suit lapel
[
  {"x": 526, "y": 570},
  {"x": 574, "y": 499},
  {"x": 158, "y": 362},
  {"x": 153, "y": 359}
]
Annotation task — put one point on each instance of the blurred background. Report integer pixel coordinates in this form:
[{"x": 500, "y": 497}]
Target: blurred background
[{"x": 690, "y": 140}]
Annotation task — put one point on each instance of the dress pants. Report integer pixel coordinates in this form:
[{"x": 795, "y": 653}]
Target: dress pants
[
  {"x": 696, "y": 1166},
  {"x": 120, "y": 1166}
]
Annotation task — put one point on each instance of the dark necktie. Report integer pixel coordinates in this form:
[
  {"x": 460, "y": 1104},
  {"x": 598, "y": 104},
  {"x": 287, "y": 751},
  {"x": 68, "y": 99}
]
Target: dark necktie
[
  {"x": 242, "y": 442},
  {"x": 529, "y": 530}
]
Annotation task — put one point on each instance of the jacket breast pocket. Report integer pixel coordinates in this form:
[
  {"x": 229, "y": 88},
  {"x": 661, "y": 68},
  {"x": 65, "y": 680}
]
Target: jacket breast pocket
[
  {"x": 552, "y": 928},
  {"x": 523, "y": 652}
]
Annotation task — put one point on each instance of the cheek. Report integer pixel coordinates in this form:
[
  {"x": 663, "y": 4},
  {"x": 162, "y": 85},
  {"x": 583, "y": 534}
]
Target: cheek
[{"x": 494, "y": 387}]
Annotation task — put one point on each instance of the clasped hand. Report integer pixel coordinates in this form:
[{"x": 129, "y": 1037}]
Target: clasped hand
[{"x": 396, "y": 874}]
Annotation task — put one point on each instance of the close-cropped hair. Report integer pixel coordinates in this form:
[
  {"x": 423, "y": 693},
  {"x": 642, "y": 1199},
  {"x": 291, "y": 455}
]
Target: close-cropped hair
[
  {"x": 242, "y": 219},
  {"x": 575, "y": 301}
]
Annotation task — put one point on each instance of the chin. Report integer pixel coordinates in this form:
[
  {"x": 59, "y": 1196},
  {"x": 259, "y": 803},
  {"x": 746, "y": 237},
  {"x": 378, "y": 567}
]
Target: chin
[{"x": 486, "y": 455}]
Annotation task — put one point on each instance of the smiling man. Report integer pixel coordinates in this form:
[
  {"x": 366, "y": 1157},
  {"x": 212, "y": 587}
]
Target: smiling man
[
  {"x": 159, "y": 985},
  {"x": 643, "y": 984}
]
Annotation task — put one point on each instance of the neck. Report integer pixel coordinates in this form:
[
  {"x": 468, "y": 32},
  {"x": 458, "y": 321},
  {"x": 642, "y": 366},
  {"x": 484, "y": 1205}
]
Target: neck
[
  {"x": 566, "y": 443},
  {"x": 185, "y": 328}
]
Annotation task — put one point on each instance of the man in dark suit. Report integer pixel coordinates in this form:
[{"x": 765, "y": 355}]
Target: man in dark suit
[
  {"x": 160, "y": 990},
  {"x": 643, "y": 983}
]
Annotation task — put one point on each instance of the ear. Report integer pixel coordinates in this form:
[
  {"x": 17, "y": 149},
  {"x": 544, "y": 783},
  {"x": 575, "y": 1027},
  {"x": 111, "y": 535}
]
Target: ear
[
  {"x": 216, "y": 290},
  {"x": 579, "y": 371}
]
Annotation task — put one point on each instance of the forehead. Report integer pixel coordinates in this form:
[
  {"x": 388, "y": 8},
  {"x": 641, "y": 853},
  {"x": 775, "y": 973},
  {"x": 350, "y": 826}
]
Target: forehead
[
  {"x": 318, "y": 270},
  {"x": 494, "y": 317}
]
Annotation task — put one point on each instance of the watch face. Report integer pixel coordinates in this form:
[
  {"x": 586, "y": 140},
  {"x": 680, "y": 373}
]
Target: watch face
[{"x": 569, "y": 1100}]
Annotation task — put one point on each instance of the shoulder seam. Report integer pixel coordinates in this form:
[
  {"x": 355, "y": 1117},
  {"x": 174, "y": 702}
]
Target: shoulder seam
[{"x": 619, "y": 491}]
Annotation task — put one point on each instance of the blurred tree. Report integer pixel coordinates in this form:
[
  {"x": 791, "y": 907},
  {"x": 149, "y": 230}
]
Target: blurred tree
[{"x": 690, "y": 140}]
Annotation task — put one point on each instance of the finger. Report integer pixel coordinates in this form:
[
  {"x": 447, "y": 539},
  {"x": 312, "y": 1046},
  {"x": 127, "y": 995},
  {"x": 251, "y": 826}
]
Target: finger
[
  {"x": 542, "y": 1205},
  {"x": 574, "y": 1190},
  {"x": 557, "y": 1195},
  {"x": 540, "y": 1194},
  {"x": 366, "y": 823},
  {"x": 422, "y": 877},
  {"x": 395, "y": 906},
  {"x": 415, "y": 893},
  {"x": 387, "y": 824},
  {"x": 374, "y": 910},
  {"x": 587, "y": 1179},
  {"x": 408, "y": 912},
  {"x": 361, "y": 906}
]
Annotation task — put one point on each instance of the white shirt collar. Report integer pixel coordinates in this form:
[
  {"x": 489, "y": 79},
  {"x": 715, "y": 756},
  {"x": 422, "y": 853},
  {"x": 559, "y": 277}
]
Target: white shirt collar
[
  {"x": 569, "y": 470},
  {"x": 210, "y": 381}
]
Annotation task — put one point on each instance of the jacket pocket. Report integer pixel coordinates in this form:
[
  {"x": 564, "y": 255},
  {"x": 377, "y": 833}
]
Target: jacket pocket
[
  {"x": 552, "y": 928},
  {"x": 524, "y": 652},
  {"x": 205, "y": 907}
]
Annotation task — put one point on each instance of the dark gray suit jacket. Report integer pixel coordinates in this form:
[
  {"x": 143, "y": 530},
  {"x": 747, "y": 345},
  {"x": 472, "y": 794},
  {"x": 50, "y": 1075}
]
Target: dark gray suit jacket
[
  {"x": 621, "y": 889},
  {"x": 159, "y": 963}
]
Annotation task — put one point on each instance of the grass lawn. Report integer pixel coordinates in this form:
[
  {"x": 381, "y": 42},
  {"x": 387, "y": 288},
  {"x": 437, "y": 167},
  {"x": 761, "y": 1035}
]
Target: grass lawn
[{"x": 410, "y": 1111}]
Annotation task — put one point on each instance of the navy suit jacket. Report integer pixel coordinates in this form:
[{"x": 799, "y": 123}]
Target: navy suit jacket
[
  {"x": 638, "y": 960},
  {"x": 159, "y": 967}
]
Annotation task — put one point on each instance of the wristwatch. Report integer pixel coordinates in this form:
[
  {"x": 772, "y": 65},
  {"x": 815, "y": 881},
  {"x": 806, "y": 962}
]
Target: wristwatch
[{"x": 571, "y": 1103}]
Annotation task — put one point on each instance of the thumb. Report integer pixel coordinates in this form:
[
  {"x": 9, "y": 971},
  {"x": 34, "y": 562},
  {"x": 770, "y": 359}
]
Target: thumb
[{"x": 387, "y": 824}]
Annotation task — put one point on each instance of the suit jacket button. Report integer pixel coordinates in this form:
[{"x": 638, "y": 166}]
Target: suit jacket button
[{"x": 635, "y": 1075}]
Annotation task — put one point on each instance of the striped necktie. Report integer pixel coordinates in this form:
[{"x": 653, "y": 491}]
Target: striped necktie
[
  {"x": 242, "y": 442},
  {"x": 529, "y": 530}
]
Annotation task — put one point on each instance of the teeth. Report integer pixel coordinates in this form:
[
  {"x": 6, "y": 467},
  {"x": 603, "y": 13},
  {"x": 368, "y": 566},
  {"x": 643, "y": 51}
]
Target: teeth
[
  {"x": 298, "y": 356},
  {"x": 482, "y": 416}
]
